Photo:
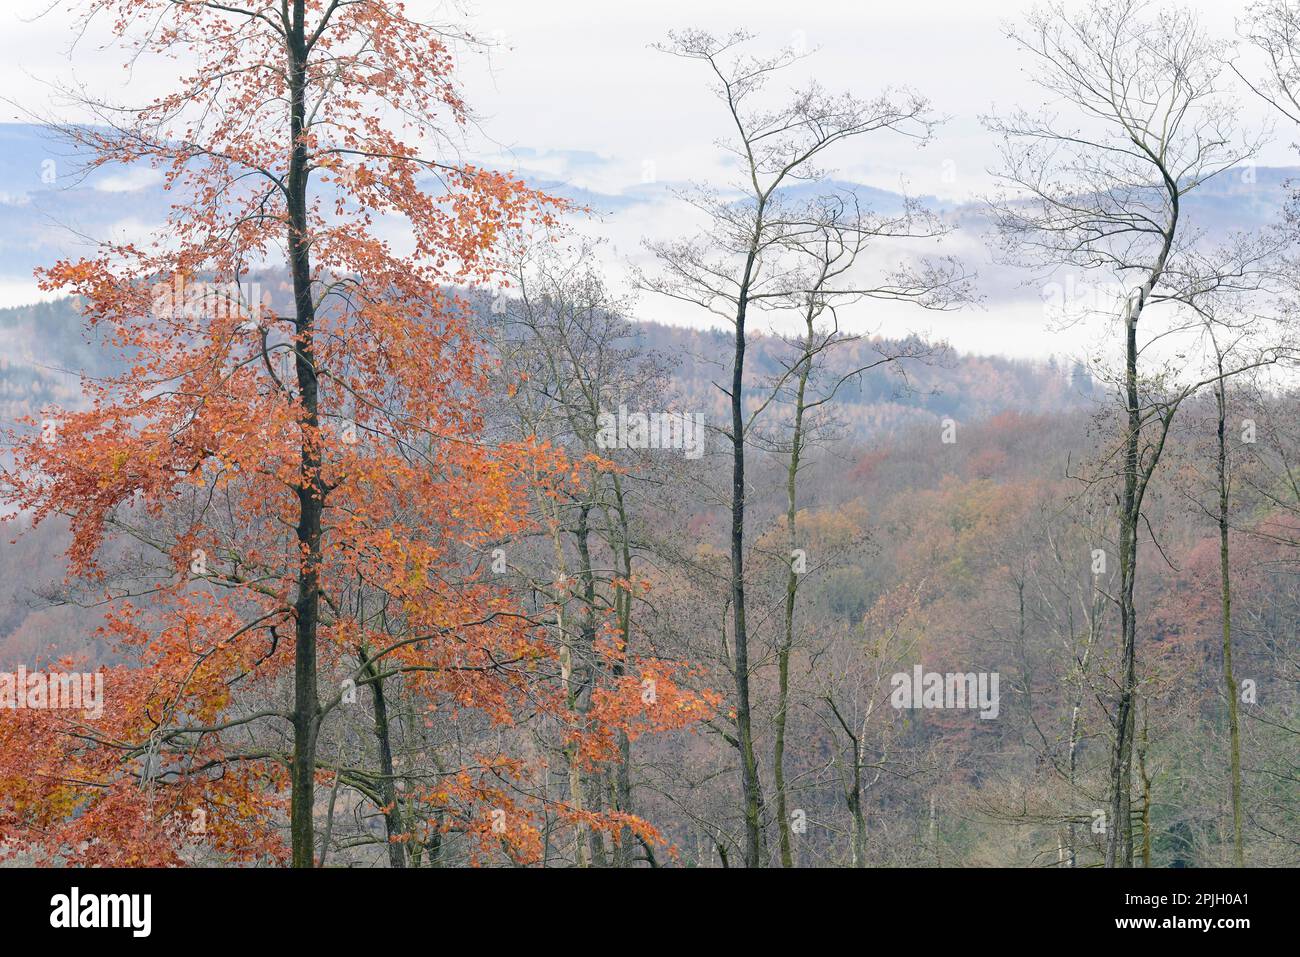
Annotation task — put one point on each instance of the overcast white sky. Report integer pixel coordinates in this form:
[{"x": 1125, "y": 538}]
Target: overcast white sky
[
  {"x": 580, "y": 75},
  {"x": 576, "y": 92}
]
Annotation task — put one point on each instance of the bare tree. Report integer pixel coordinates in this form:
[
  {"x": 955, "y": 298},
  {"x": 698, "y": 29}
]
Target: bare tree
[
  {"x": 1103, "y": 190},
  {"x": 743, "y": 259},
  {"x": 569, "y": 355},
  {"x": 855, "y": 697},
  {"x": 841, "y": 233},
  {"x": 1272, "y": 27}
]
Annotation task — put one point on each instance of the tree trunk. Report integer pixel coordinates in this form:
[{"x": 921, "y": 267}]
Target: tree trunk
[
  {"x": 584, "y": 664},
  {"x": 1229, "y": 683},
  {"x": 387, "y": 783},
  {"x": 623, "y": 614},
  {"x": 751, "y": 794},
  {"x": 855, "y": 808},
  {"x": 933, "y": 834},
  {"x": 1119, "y": 844},
  {"x": 1146, "y": 792},
  {"x": 787, "y": 640},
  {"x": 310, "y": 489}
]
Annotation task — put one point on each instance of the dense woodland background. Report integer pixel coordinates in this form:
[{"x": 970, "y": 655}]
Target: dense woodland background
[{"x": 974, "y": 556}]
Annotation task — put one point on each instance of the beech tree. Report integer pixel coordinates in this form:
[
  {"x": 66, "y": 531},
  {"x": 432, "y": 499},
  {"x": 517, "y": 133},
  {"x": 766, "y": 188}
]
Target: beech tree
[
  {"x": 1103, "y": 190},
  {"x": 747, "y": 257},
  {"x": 838, "y": 234},
  {"x": 311, "y": 481},
  {"x": 570, "y": 356}
]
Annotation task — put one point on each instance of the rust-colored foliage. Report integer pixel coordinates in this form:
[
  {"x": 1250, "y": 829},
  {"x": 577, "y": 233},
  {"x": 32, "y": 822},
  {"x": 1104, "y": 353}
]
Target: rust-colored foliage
[{"x": 197, "y": 451}]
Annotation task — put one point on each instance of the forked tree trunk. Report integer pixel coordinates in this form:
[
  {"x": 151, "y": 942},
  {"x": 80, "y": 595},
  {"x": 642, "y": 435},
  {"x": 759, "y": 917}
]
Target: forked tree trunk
[
  {"x": 1119, "y": 846},
  {"x": 387, "y": 783}
]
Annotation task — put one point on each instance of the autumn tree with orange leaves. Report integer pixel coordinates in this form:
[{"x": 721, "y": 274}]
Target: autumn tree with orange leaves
[{"x": 285, "y": 500}]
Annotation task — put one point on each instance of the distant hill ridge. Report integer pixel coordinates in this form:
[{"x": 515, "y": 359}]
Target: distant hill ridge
[{"x": 44, "y": 346}]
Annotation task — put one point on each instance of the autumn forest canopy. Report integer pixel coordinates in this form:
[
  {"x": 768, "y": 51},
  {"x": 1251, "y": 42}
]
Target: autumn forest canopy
[{"x": 373, "y": 510}]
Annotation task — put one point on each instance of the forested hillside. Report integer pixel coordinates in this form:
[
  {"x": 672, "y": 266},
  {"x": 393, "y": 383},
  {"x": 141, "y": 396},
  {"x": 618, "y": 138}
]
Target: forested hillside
[
  {"x": 365, "y": 506},
  {"x": 973, "y": 555}
]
